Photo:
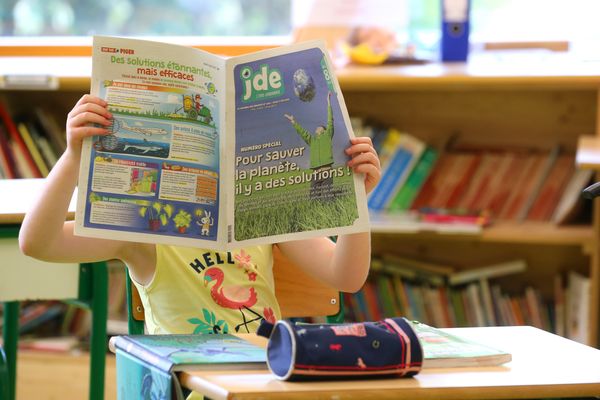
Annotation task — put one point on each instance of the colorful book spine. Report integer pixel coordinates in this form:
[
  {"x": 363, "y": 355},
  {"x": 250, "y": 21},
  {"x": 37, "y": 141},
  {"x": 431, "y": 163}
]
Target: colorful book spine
[
  {"x": 550, "y": 193},
  {"x": 539, "y": 181},
  {"x": 403, "y": 158},
  {"x": 434, "y": 183},
  {"x": 408, "y": 192},
  {"x": 25, "y": 161},
  {"x": 34, "y": 151},
  {"x": 8, "y": 162}
]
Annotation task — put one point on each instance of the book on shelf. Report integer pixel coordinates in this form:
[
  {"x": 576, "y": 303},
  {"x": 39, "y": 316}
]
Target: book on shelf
[
  {"x": 457, "y": 183},
  {"x": 436, "y": 293},
  {"x": 493, "y": 191},
  {"x": 534, "y": 306},
  {"x": 38, "y": 313},
  {"x": 373, "y": 301},
  {"x": 507, "y": 183},
  {"x": 415, "y": 180},
  {"x": 25, "y": 164},
  {"x": 481, "y": 182},
  {"x": 33, "y": 149},
  {"x": 577, "y": 307},
  {"x": 47, "y": 123},
  {"x": 571, "y": 201},
  {"x": 429, "y": 272},
  {"x": 444, "y": 349},
  {"x": 552, "y": 188},
  {"x": 403, "y": 156},
  {"x": 218, "y": 152},
  {"x": 7, "y": 161},
  {"x": 487, "y": 271},
  {"x": 387, "y": 298},
  {"x": 158, "y": 358},
  {"x": 523, "y": 184},
  {"x": 559, "y": 305},
  {"x": 454, "y": 216},
  {"x": 434, "y": 183},
  {"x": 536, "y": 185}
]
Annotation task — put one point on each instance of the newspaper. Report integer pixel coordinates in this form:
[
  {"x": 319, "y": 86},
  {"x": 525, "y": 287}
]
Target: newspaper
[{"x": 218, "y": 152}]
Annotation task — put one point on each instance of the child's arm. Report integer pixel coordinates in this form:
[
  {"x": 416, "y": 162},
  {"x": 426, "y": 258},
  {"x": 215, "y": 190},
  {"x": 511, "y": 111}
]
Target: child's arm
[
  {"x": 44, "y": 233},
  {"x": 345, "y": 264}
]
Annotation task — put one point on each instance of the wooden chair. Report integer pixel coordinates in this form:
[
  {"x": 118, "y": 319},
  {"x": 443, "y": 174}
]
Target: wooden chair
[{"x": 299, "y": 296}]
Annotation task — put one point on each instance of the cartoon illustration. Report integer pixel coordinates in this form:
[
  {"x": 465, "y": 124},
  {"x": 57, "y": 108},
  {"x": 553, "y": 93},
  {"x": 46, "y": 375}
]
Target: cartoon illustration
[
  {"x": 141, "y": 130},
  {"x": 150, "y": 387},
  {"x": 193, "y": 109},
  {"x": 135, "y": 137},
  {"x": 205, "y": 223},
  {"x": 211, "y": 88},
  {"x": 234, "y": 297},
  {"x": 304, "y": 85},
  {"x": 141, "y": 149},
  {"x": 321, "y": 152},
  {"x": 157, "y": 214},
  {"x": 142, "y": 181},
  {"x": 182, "y": 220}
]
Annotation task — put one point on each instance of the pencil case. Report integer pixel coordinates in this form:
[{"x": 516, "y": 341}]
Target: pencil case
[{"x": 303, "y": 351}]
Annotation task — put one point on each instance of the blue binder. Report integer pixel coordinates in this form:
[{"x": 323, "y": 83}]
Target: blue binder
[{"x": 455, "y": 30}]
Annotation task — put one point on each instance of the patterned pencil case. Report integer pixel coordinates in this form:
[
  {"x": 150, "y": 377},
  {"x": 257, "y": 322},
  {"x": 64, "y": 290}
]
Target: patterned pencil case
[{"x": 301, "y": 351}]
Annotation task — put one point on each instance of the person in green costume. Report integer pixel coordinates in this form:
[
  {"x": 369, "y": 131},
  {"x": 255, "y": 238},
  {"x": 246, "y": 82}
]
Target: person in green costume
[{"x": 321, "y": 153}]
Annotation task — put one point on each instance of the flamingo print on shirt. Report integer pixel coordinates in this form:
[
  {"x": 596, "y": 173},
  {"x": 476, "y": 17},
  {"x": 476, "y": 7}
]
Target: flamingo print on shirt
[{"x": 234, "y": 297}]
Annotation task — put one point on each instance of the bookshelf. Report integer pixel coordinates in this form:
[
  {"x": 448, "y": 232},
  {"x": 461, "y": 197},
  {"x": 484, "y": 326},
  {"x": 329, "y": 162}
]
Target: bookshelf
[
  {"x": 497, "y": 99},
  {"x": 497, "y": 102}
]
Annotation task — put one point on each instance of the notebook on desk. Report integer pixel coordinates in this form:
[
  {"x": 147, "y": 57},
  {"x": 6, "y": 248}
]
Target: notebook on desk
[
  {"x": 147, "y": 365},
  {"x": 193, "y": 352},
  {"x": 442, "y": 349}
]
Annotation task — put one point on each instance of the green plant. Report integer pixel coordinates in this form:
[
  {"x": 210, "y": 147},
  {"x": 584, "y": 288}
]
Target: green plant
[
  {"x": 156, "y": 213},
  {"x": 182, "y": 219}
]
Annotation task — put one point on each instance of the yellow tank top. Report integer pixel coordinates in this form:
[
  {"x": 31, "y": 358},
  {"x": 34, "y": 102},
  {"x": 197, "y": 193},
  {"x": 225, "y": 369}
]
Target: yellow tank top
[{"x": 203, "y": 291}]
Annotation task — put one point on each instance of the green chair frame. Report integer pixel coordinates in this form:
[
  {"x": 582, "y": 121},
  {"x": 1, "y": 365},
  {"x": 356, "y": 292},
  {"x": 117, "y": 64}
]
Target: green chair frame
[{"x": 92, "y": 295}]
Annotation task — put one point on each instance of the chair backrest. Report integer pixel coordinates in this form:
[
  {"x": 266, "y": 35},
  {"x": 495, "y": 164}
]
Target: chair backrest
[{"x": 299, "y": 296}]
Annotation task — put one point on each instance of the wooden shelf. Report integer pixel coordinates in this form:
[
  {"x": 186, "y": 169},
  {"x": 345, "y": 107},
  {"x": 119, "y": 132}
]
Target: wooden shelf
[
  {"x": 484, "y": 70},
  {"x": 505, "y": 232},
  {"x": 588, "y": 152}
]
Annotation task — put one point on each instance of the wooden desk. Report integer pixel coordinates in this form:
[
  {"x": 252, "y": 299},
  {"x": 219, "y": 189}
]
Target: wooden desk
[{"x": 543, "y": 365}]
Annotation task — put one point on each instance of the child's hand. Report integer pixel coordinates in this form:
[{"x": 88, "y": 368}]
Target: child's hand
[
  {"x": 88, "y": 111},
  {"x": 365, "y": 160}
]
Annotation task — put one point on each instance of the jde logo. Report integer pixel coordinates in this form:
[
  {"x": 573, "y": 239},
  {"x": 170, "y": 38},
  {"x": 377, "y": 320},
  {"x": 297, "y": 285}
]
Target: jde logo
[{"x": 262, "y": 84}]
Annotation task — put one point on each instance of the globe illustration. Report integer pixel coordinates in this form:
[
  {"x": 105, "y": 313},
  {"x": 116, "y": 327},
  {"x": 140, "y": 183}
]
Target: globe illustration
[
  {"x": 109, "y": 142},
  {"x": 304, "y": 85}
]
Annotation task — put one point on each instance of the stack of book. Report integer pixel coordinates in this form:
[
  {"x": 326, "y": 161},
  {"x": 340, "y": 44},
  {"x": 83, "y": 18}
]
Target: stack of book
[
  {"x": 460, "y": 184},
  {"x": 30, "y": 144},
  {"x": 443, "y": 296}
]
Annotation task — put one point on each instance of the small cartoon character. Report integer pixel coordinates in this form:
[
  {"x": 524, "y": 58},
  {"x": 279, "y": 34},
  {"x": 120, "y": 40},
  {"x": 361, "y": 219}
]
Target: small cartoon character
[{"x": 205, "y": 223}]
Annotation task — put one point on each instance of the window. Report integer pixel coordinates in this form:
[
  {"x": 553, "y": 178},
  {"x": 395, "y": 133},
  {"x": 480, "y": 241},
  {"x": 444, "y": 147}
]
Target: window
[
  {"x": 145, "y": 17},
  {"x": 415, "y": 21}
]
